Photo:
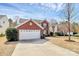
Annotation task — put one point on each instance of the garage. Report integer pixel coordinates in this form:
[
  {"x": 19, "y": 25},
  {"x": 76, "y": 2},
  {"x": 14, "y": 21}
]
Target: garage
[
  {"x": 29, "y": 30},
  {"x": 29, "y": 34}
]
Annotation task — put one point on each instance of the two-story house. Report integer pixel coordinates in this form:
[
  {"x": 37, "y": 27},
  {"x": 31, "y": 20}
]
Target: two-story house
[{"x": 4, "y": 23}]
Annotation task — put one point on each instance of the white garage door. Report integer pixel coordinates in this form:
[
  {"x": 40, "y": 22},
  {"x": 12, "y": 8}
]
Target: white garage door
[{"x": 29, "y": 34}]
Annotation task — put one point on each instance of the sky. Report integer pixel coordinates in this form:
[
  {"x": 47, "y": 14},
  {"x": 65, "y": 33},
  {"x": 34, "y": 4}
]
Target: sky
[{"x": 43, "y": 11}]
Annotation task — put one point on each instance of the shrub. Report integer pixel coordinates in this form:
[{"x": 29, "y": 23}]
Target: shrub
[
  {"x": 51, "y": 33},
  {"x": 1, "y": 35},
  {"x": 12, "y": 34},
  {"x": 59, "y": 33},
  {"x": 43, "y": 36},
  {"x": 76, "y": 35},
  {"x": 67, "y": 35}
]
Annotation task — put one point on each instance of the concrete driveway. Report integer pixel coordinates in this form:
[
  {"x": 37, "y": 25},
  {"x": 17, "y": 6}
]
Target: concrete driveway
[{"x": 40, "y": 48}]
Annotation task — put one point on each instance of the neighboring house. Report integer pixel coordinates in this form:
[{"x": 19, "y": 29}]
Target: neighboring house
[
  {"x": 63, "y": 27},
  {"x": 53, "y": 27},
  {"x": 4, "y": 23},
  {"x": 30, "y": 29}
]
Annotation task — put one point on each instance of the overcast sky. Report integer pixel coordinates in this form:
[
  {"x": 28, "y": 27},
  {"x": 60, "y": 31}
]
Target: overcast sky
[{"x": 36, "y": 11}]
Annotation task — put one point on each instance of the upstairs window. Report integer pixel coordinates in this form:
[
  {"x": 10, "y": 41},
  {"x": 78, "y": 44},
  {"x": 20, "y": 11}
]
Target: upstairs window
[
  {"x": 0, "y": 26},
  {"x": 3, "y": 22}
]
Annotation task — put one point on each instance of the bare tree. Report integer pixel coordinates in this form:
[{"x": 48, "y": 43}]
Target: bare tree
[{"x": 68, "y": 15}]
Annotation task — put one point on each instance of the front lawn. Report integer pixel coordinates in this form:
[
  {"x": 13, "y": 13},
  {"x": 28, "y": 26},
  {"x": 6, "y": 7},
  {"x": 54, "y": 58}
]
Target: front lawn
[
  {"x": 6, "y": 49},
  {"x": 63, "y": 42}
]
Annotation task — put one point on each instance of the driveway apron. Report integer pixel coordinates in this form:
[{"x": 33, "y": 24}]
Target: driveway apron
[{"x": 41, "y": 48}]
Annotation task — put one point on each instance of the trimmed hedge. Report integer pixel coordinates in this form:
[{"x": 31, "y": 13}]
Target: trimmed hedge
[
  {"x": 51, "y": 33},
  {"x": 12, "y": 34},
  {"x": 59, "y": 33},
  {"x": 76, "y": 35}
]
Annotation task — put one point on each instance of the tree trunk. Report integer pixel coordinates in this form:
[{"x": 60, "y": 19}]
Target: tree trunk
[
  {"x": 53, "y": 31},
  {"x": 69, "y": 10}
]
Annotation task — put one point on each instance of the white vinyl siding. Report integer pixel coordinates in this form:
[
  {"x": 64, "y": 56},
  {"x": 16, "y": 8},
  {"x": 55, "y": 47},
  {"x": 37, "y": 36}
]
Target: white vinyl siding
[{"x": 4, "y": 24}]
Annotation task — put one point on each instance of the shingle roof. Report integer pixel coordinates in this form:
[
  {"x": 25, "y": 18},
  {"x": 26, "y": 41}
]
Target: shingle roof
[
  {"x": 1, "y": 16},
  {"x": 32, "y": 27},
  {"x": 21, "y": 20}
]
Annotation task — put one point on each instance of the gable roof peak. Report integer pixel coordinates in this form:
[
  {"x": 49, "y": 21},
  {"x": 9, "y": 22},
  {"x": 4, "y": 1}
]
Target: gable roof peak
[
  {"x": 28, "y": 21},
  {"x": 30, "y": 18}
]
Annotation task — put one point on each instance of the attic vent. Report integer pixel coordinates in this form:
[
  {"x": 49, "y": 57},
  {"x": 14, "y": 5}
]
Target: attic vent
[{"x": 30, "y": 23}]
